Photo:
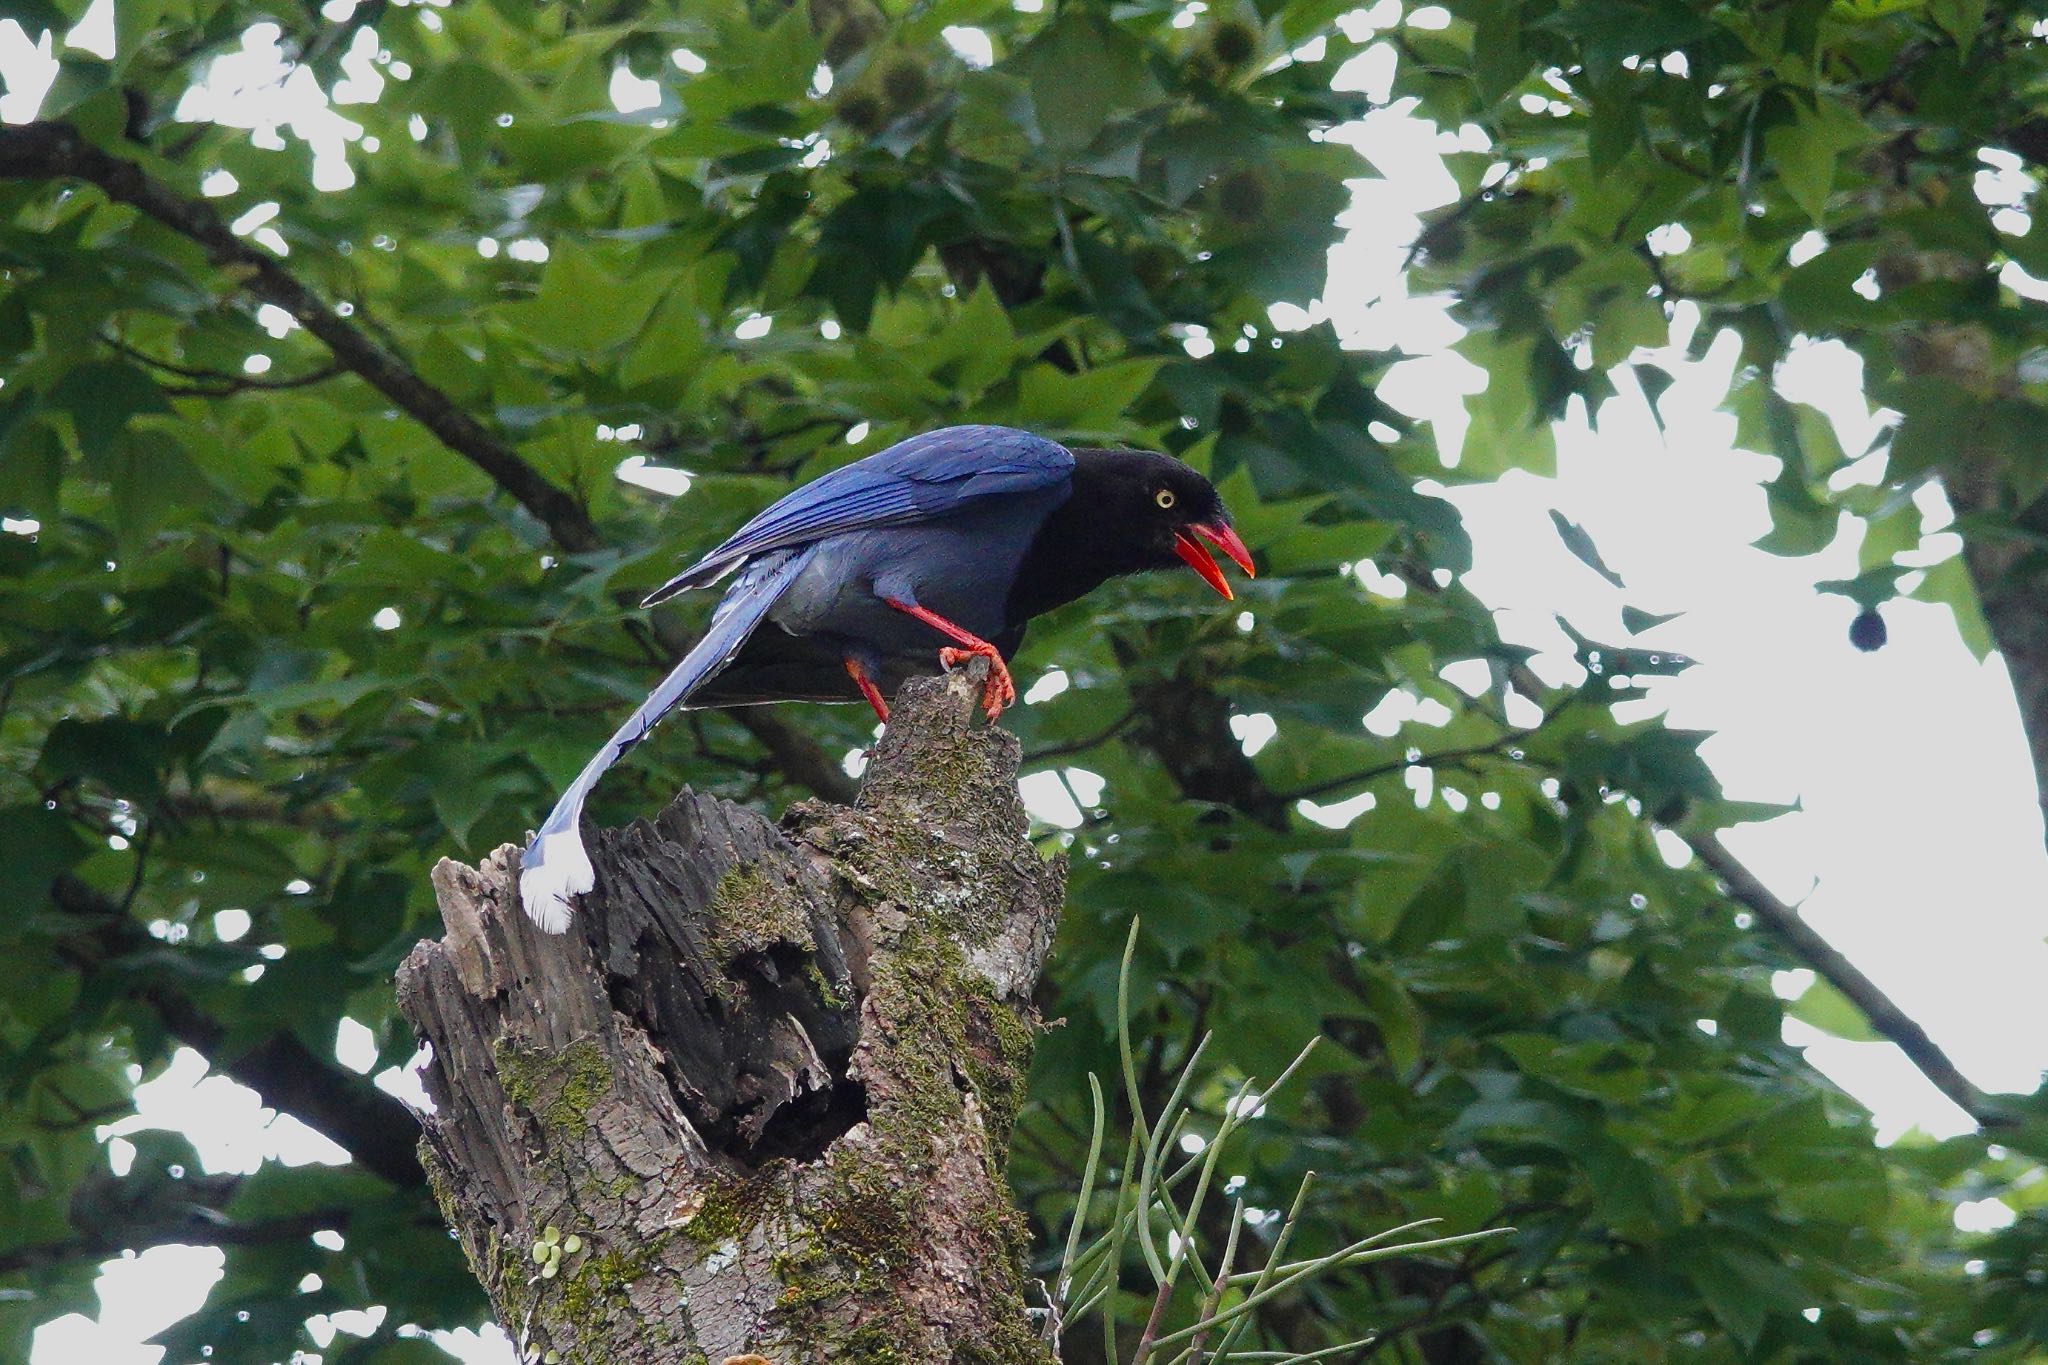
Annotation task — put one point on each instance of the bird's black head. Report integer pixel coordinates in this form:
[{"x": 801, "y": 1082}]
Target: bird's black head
[{"x": 1130, "y": 510}]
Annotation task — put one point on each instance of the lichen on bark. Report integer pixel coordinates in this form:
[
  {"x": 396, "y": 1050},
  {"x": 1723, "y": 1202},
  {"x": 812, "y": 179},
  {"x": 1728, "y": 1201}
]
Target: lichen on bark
[{"x": 766, "y": 1081}]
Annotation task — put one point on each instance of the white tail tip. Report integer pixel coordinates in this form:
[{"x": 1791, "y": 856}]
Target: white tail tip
[{"x": 554, "y": 869}]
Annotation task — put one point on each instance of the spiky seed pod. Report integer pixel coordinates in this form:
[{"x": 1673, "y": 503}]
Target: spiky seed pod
[
  {"x": 1203, "y": 69},
  {"x": 847, "y": 26},
  {"x": 905, "y": 84},
  {"x": 863, "y": 111},
  {"x": 1867, "y": 631},
  {"x": 1241, "y": 197},
  {"x": 1154, "y": 265},
  {"x": 1233, "y": 43}
]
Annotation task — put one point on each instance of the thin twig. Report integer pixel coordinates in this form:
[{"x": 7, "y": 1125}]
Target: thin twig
[
  {"x": 219, "y": 383},
  {"x": 1075, "y": 746},
  {"x": 1444, "y": 756}
]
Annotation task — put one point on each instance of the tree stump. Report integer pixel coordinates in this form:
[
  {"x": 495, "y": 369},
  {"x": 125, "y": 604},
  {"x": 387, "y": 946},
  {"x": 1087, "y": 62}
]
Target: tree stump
[{"x": 756, "y": 1100}]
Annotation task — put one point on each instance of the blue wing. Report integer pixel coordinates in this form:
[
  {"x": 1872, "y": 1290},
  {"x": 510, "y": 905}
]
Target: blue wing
[{"x": 915, "y": 480}]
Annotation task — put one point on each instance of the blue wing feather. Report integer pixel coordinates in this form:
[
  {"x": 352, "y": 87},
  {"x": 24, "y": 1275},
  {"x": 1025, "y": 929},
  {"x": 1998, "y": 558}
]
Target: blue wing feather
[{"x": 916, "y": 480}]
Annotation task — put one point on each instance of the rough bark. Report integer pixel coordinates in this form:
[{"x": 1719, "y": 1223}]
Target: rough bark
[
  {"x": 766, "y": 1081},
  {"x": 2010, "y": 573}
]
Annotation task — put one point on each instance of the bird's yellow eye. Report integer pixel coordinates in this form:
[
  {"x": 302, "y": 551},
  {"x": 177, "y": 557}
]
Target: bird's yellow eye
[{"x": 1165, "y": 498}]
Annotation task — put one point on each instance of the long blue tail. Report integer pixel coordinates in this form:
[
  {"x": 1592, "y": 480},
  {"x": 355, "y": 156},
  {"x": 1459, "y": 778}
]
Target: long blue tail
[{"x": 556, "y": 866}]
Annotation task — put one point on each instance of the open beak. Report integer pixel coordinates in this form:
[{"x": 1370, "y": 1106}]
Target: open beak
[{"x": 1198, "y": 559}]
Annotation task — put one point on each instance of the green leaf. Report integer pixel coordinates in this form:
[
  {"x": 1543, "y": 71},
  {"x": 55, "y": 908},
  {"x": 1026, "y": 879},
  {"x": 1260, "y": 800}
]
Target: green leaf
[
  {"x": 1961, "y": 20},
  {"x": 1090, "y": 400},
  {"x": 1949, "y": 583},
  {"x": 41, "y": 845},
  {"x": 102, "y": 398},
  {"x": 581, "y": 306},
  {"x": 1582, "y": 547},
  {"x": 1806, "y": 150},
  {"x": 1828, "y": 1010},
  {"x": 1082, "y": 72}
]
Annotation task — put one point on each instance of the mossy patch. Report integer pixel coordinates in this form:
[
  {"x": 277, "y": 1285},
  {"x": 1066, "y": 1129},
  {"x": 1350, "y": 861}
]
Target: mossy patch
[
  {"x": 558, "y": 1089},
  {"x": 723, "y": 1208},
  {"x": 579, "y": 1311},
  {"x": 752, "y": 910},
  {"x": 943, "y": 1032}
]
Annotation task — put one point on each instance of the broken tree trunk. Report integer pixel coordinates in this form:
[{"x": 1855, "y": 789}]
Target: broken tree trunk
[{"x": 762, "y": 1088}]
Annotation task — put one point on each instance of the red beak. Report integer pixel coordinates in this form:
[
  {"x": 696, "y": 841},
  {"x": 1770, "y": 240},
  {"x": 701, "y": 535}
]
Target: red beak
[{"x": 1224, "y": 539}]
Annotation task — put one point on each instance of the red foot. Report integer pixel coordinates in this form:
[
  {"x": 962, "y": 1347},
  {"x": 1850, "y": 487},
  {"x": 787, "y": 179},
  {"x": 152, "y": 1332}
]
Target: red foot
[
  {"x": 999, "y": 690},
  {"x": 867, "y": 689}
]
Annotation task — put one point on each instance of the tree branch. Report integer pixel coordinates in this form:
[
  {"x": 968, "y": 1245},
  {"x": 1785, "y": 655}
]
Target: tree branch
[
  {"x": 39, "y": 151},
  {"x": 55, "y": 150},
  {"x": 1885, "y": 1017},
  {"x": 220, "y": 383},
  {"x": 1186, "y": 725},
  {"x": 1085, "y": 742},
  {"x": 375, "y": 1128},
  {"x": 202, "y": 1225}
]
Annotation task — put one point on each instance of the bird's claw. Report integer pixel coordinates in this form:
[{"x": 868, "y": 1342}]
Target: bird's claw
[{"x": 999, "y": 691}]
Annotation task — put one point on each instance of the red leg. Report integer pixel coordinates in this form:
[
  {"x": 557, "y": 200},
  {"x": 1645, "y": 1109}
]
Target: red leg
[
  {"x": 1000, "y": 691},
  {"x": 868, "y": 689}
]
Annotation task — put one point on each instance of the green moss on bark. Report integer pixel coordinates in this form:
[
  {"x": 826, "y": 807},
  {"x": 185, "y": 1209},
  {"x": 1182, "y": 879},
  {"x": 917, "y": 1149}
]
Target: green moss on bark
[
  {"x": 752, "y": 910},
  {"x": 557, "y": 1089}
]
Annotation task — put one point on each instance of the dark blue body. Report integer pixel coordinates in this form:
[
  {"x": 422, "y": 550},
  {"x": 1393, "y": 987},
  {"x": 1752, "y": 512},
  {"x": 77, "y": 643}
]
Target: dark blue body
[{"x": 940, "y": 521}]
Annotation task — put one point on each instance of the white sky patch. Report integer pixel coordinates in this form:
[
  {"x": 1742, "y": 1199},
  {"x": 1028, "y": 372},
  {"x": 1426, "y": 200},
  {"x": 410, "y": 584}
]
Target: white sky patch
[
  {"x": 630, "y": 93},
  {"x": 1060, "y": 797},
  {"x": 971, "y": 45},
  {"x": 361, "y": 82},
  {"x": 1984, "y": 1215},
  {"x": 28, "y": 66},
  {"x": 1910, "y": 802},
  {"x": 642, "y": 472},
  {"x": 1394, "y": 710},
  {"x": 275, "y": 320},
  {"x": 1338, "y": 814},
  {"x": 1050, "y": 684},
  {"x": 1047, "y": 800},
  {"x": 257, "y": 88},
  {"x": 355, "y": 1047},
  {"x": 406, "y": 1083},
  {"x": 1669, "y": 240},
  {"x": 486, "y": 1346},
  {"x": 1470, "y": 676},
  {"x": 226, "y": 1122},
  {"x": 140, "y": 1295},
  {"x": 1254, "y": 732},
  {"x": 94, "y": 32}
]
